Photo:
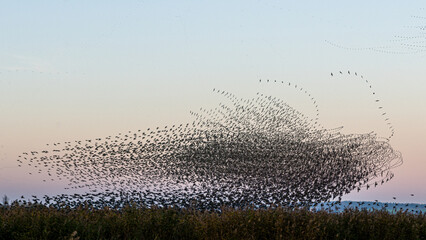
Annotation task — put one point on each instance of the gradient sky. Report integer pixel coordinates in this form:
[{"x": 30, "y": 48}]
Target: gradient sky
[{"x": 75, "y": 70}]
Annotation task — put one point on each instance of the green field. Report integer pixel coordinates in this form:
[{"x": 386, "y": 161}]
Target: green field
[{"x": 33, "y": 221}]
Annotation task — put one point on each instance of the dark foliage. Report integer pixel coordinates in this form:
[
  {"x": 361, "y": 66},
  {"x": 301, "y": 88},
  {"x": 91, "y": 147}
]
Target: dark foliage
[{"x": 35, "y": 221}]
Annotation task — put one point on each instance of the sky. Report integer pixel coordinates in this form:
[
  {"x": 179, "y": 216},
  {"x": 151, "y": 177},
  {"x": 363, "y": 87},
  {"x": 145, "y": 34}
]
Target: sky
[{"x": 74, "y": 70}]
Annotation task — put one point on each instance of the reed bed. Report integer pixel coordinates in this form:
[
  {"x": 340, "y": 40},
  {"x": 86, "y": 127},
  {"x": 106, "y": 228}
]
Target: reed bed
[{"x": 36, "y": 221}]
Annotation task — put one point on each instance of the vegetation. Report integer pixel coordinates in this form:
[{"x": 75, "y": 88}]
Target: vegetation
[{"x": 36, "y": 221}]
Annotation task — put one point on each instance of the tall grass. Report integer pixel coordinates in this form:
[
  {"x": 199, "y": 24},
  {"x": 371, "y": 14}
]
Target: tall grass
[{"x": 35, "y": 221}]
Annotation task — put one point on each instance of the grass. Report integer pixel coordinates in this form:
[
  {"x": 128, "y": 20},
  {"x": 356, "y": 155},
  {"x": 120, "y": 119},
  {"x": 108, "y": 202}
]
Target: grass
[{"x": 35, "y": 221}]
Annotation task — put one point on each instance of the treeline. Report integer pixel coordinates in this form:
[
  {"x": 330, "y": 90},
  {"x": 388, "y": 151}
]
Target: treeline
[{"x": 35, "y": 221}]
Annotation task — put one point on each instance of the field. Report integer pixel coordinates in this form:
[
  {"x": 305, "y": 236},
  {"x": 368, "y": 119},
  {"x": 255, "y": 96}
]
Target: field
[{"x": 35, "y": 221}]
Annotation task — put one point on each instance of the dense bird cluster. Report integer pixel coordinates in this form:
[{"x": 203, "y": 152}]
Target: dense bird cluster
[{"x": 246, "y": 152}]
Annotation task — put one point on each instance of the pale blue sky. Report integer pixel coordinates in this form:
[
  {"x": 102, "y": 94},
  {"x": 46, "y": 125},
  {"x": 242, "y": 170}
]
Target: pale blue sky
[{"x": 85, "y": 69}]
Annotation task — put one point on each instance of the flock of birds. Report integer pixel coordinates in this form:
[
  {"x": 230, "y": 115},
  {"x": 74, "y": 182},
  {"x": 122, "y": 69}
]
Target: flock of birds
[
  {"x": 412, "y": 42},
  {"x": 246, "y": 152}
]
